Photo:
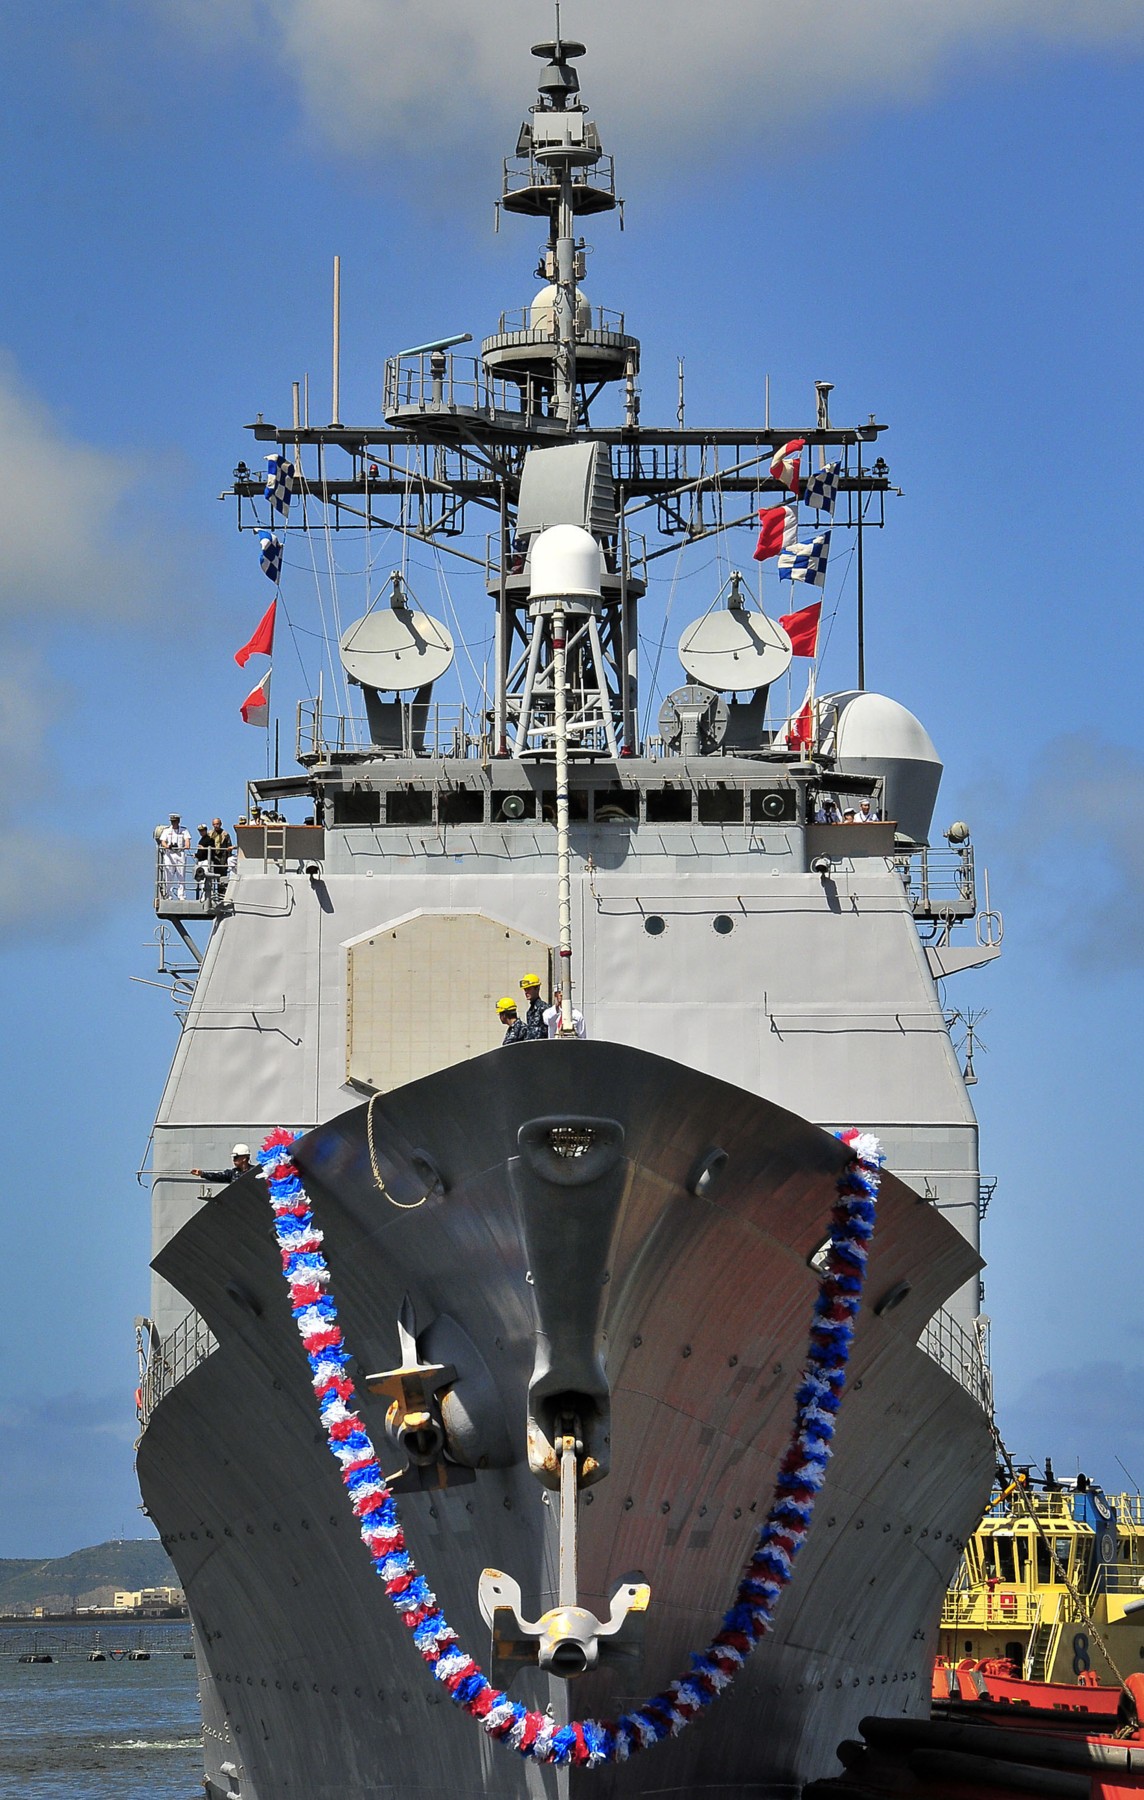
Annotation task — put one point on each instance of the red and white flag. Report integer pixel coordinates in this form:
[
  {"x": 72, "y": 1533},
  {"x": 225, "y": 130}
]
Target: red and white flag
[
  {"x": 785, "y": 465},
  {"x": 255, "y": 709},
  {"x": 802, "y": 629},
  {"x": 779, "y": 530},
  {"x": 800, "y": 729},
  {"x": 262, "y": 643}
]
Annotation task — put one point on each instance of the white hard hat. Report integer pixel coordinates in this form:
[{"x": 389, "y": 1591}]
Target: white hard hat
[{"x": 241, "y": 1150}]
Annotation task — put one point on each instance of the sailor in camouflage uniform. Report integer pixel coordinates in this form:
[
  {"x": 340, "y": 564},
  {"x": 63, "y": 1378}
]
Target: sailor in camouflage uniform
[
  {"x": 517, "y": 1030},
  {"x": 534, "y": 1025}
]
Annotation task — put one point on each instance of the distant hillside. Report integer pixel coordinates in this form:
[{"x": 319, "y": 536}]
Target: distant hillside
[{"x": 124, "y": 1563}]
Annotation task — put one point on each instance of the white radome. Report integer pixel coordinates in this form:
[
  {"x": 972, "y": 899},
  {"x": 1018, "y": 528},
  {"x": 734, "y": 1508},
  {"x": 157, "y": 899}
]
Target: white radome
[
  {"x": 542, "y": 312},
  {"x": 566, "y": 564}
]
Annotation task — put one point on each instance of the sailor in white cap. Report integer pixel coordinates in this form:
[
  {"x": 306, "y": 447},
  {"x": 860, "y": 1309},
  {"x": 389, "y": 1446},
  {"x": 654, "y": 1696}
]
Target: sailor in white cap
[
  {"x": 240, "y": 1165},
  {"x": 174, "y": 841}
]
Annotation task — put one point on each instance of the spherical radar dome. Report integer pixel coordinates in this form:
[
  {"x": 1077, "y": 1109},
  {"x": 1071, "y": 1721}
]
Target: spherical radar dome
[
  {"x": 878, "y": 736},
  {"x": 873, "y": 725},
  {"x": 566, "y": 564},
  {"x": 542, "y": 312}
]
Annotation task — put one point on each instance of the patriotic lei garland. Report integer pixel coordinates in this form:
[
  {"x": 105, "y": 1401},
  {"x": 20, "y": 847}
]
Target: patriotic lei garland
[{"x": 802, "y": 1472}]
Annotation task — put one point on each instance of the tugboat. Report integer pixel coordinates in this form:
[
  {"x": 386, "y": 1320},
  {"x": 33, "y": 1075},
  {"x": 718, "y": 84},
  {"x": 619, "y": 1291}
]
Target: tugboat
[
  {"x": 1048, "y": 1598},
  {"x": 593, "y": 1324}
]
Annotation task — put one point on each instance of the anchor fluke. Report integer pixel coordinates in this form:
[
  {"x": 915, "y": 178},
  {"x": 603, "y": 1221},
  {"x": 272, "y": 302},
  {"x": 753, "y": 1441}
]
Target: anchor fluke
[
  {"x": 567, "y": 1640},
  {"x": 414, "y": 1423}
]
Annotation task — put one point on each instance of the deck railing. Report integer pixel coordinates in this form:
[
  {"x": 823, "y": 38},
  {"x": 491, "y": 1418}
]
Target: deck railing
[
  {"x": 962, "y": 1354},
  {"x": 940, "y": 883},
  {"x": 433, "y": 728},
  {"x": 978, "y": 1608},
  {"x": 185, "y": 887},
  {"x": 191, "y": 1342}
]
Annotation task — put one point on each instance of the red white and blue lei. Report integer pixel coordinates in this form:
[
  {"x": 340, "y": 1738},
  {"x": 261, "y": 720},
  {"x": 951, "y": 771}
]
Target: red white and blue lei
[{"x": 802, "y": 1472}]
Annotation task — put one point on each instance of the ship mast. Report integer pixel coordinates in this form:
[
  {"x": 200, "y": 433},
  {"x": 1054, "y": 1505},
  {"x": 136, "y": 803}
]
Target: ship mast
[{"x": 559, "y": 83}]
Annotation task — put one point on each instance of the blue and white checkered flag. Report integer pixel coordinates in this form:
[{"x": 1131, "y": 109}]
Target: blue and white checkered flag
[
  {"x": 279, "y": 483},
  {"x": 822, "y": 487},
  {"x": 271, "y": 558},
  {"x": 806, "y": 562}
]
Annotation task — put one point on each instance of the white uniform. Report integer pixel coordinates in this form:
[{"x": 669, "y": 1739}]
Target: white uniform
[
  {"x": 552, "y": 1021},
  {"x": 873, "y": 817},
  {"x": 174, "y": 841}
]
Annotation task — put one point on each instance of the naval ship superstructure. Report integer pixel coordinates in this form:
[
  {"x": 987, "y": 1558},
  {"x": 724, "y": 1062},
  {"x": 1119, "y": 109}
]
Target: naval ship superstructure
[{"x": 623, "y": 1231}]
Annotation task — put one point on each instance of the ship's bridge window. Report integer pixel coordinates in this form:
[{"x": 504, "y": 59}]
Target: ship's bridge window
[
  {"x": 1007, "y": 1560},
  {"x": 357, "y": 806},
  {"x": 1063, "y": 1547},
  {"x": 461, "y": 806},
  {"x": 1047, "y": 1572},
  {"x": 669, "y": 806},
  {"x": 409, "y": 806},
  {"x": 721, "y": 806},
  {"x": 577, "y": 806},
  {"x": 615, "y": 805}
]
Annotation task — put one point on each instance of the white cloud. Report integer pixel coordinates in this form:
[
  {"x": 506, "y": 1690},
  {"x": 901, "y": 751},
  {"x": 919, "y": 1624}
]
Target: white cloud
[
  {"x": 40, "y": 890},
  {"x": 81, "y": 547},
  {"x": 430, "y": 76},
  {"x": 70, "y": 546}
]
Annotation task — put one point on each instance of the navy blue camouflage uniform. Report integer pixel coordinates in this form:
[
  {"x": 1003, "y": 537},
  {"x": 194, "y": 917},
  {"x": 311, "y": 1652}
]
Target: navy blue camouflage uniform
[
  {"x": 517, "y": 1033},
  {"x": 534, "y": 1027}
]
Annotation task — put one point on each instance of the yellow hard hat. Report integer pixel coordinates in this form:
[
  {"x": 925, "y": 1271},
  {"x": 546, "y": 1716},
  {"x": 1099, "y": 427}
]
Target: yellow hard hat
[
  {"x": 527, "y": 981},
  {"x": 508, "y": 1004}
]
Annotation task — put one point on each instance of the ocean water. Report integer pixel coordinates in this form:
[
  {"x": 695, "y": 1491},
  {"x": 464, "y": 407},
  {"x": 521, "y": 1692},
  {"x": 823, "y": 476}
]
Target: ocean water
[{"x": 116, "y": 1730}]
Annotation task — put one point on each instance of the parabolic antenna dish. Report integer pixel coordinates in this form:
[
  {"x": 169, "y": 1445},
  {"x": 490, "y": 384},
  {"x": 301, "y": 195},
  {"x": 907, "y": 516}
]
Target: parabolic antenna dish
[
  {"x": 394, "y": 647},
  {"x": 732, "y": 649}
]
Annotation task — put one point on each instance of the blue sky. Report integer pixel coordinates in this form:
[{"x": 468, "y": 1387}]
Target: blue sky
[{"x": 935, "y": 208}]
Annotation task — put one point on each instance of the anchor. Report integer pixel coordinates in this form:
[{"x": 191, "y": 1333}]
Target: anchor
[
  {"x": 413, "y": 1423},
  {"x": 569, "y": 1639}
]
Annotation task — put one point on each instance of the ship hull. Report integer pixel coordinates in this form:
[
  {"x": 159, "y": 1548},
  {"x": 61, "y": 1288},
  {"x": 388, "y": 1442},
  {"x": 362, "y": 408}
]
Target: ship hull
[{"x": 311, "y": 1685}]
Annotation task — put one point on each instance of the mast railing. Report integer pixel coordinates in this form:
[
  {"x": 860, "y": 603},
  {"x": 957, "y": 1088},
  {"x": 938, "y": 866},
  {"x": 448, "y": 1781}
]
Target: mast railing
[
  {"x": 522, "y": 173},
  {"x": 637, "y": 563},
  {"x": 601, "y": 319},
  {"x": 422, "y": 728},
  {"x": 429, "y": 382}
]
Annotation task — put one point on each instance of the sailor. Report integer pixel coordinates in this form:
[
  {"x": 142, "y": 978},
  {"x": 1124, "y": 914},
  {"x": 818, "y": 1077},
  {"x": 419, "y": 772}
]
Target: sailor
[
  {"x": 240, "y": 1166},
  {"x": 827, "y": 812},
  {"x": 867, "y": 814},
  {"x": 174, "y": 842},
  {"x": 203, "y": 865},
  {"x": 516, "y": 1031},
  {"x": 220, "y": 852},
  {"x": 849, "y": 816},
  {"x": 536, "y": 1008},
  {"x": 552, "y": 1017}
]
